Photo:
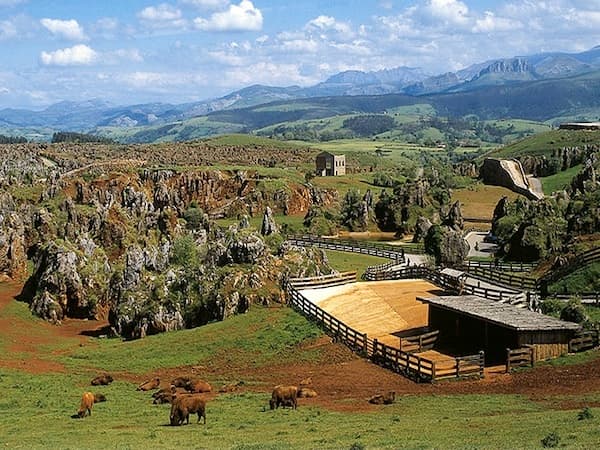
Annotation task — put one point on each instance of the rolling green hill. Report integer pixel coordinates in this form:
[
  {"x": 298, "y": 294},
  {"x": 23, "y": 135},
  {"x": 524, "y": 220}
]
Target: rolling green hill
[{"x": 546, "y": 143}]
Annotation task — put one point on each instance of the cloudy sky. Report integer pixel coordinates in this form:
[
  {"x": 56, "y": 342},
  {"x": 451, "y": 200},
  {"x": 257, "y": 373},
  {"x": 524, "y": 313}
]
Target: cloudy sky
[{"x": 130, "y": 51}]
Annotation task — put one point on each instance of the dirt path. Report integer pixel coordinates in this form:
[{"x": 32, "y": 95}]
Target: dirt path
[{"x": 25, "y": 346}]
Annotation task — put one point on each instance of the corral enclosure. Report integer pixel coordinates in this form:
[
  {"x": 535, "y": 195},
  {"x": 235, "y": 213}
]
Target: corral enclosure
[{"x": 382, "y": 309}]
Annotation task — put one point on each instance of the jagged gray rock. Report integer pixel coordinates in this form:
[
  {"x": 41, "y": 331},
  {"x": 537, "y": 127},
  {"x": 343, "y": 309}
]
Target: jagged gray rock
[{"x": 268, "y": 223}]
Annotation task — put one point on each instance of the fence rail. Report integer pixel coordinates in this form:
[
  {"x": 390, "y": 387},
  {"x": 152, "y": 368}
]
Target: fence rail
[
  {"x": 392, "y": 252},
  {"x": 408, "y": 364},
  {"x": 589, "y": 298},
  {"x": 519, "y": 357},
  {"x": 584, "y": 341},
  {"x": 445, "y": 281},
  {"x": 419, "y": 343},
  {"x": 502, "y": 266},
  {"x": 324, "y": 280},
  {"x": 499, "y": 277}
]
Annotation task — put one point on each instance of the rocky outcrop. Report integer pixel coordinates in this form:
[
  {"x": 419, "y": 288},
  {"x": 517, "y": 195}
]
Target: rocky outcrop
[
  {"x": 446, "y": 245},
  {"x": 509, "y": 174},
  {"x": 421, "y": 228},
  {"x": 454, "y": 218},
  {"x": 13, "y": 257},
  {"x": 66, "y": 283},
  {"x": 268, "y": 226}
]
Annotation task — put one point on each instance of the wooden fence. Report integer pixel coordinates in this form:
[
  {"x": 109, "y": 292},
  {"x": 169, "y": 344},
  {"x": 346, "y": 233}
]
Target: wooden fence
[
  {"x": 576, "y": 263},
  {"x": 584, "y": 341},
  {"x": 503, "y": 278},
  {"x": 324, "y": 280},
  {"x": 589, "y": 298},
  {"x": 447, "y": 282},
  {"x": 419, "y": 343},
  {"x": 392, "y": 252},
  {"x": 519, "y": 357},
  {"x": 410, "y": 365},
  {"x": 502, "y": 266}
]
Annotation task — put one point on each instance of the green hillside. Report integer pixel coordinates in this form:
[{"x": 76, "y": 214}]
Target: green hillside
[{"x": 546, "y": 143}]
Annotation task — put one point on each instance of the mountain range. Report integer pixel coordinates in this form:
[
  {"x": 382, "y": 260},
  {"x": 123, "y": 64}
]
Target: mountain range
[{"x": 568, "y": 72}]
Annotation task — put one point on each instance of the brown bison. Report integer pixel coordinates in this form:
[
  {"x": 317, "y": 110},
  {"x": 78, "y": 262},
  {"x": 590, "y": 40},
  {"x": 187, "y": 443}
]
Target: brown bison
[
  {"x": 171, "y": 390},
  {"x": 383, "y": 399},
  {"x": 305, "y": 392},
  {"x": 149, "y": 385},
  {"x": 284, "y": 396},
  {"x": 184, "y": 405},
  {"x": 102, "y": 380},
  {"x": 87, "y": 402},
  {"x": 99, "y": 397},
  {"x": 198, "y": 386},
  {"x": 180, "y": 381},
  {"x": 164, "y": 397}
]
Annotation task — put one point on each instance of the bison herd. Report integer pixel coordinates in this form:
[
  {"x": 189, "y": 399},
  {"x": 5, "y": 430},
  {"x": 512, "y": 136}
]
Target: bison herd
[{"x": 185, "y": 396}]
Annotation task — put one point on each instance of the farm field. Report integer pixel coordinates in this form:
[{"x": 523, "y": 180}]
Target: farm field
[
  {"x": 560, "y": 180},
  {"x": 479, "y": 201},
  {"x": 44, "y": 382}
]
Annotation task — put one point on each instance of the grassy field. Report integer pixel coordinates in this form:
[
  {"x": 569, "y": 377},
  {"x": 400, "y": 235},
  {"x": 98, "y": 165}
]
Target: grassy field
[
  {"x": 344, "y": 262},
  {"x": 546, "y": 143},
  {"x": 479, "y": 200},
  {"x": 586, "y": 279},
  {"x": 240, "y": 421},
  {"x": 560, "y": 180},
  {"x": 35, "y": 409}
]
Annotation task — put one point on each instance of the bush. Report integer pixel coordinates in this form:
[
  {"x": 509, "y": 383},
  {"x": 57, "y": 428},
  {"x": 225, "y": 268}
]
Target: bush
[
  {"x": 585, "y": 414},
  {"x": 574, "y": 311},
  {"x": 185, "y": 252},
  {"x": 552, "y": 440},
  {"x": 552, "y": 307}
]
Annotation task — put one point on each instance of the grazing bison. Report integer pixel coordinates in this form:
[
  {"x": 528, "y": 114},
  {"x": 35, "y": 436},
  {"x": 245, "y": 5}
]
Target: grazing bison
[
  {"x": 383, "y": 399},
  {"x": 164, "y": 397},
  {"x": 171, "y": 390},
  {"x": 305, "y": 392},
  {"x": 102, "y": 380},
  {"x": 184, "y": 405},
  {"x": 99, "y": 397},
  {"x": 180, "y": 381},
  {"x": 149, "y": 385},
  {"x": 87, "y": 402},
  {"x": 198, "y": 386},
  {"x": 284, "y": 396}
]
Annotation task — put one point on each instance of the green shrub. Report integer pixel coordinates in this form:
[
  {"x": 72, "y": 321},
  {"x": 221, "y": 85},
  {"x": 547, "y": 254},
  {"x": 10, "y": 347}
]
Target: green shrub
[
  {"x": 585, "y": 414},
  {"x": 574, "y": 311},
  {"x": 552, "y": 440},
  {"x": 552, "y": 307}
]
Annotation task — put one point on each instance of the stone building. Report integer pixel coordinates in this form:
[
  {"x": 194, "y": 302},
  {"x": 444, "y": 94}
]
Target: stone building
[{"x": 330, "y": 165}]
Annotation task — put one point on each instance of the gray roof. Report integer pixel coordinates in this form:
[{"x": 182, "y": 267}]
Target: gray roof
[{"x": 503, "y": 314}]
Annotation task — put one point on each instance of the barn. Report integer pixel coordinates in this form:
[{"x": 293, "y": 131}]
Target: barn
[
  {"x": 330, "y": 165},
  {"x": 468, "y": 324}
]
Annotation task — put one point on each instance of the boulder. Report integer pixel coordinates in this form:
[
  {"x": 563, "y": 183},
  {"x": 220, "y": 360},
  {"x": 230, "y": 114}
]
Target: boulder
[{"x": 268, "y": 224}]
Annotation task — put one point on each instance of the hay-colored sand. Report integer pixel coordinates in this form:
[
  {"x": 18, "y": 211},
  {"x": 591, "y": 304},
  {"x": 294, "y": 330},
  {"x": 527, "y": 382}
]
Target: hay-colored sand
[{"x": 379, "y": 308}]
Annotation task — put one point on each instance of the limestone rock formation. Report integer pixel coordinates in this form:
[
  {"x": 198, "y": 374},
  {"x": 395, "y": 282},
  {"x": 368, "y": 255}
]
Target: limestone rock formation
[
  {"x": 421, "y": 228},
  {"x": 268, "y": 226}
]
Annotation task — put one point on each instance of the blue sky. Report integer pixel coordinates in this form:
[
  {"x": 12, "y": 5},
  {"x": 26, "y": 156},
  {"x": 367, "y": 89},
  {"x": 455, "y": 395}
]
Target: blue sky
[{"x": 133, "y": 51}]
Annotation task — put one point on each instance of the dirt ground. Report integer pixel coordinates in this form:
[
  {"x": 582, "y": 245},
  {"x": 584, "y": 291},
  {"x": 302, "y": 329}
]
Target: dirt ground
[{"x": 343, "y": 380}]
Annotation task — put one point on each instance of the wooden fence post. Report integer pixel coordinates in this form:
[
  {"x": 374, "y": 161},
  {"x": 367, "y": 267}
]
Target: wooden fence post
[
  {"x": 508, "y": 360},
  {"x": 375, "y": 344},
  {"x": 481, "y": 363},
  {"x": 365, "y": 344}
]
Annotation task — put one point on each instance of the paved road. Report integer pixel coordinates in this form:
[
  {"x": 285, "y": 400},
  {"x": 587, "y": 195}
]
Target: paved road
[{"x": 479, "y": 248}]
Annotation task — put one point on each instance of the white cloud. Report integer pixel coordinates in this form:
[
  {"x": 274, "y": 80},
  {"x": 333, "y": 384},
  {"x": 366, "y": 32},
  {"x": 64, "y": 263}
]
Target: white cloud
[
  {"x": 207, "y": 4},
  {"x": 327, "y": 23},
  {"x": 4, "y": 90},
  {"x": 242, "y": 17},
  {"x": 160, "y": 81},
  {"x": 79, "y": 55},
  {"x": 450, "y": 11},
  {"x": 68, "y": 29},
  {"x": 300, "y": 46},
  {"x": 8, "y": 30},
  {"x": 162, "y": 16},
  {"x": 490, "y": 23}
]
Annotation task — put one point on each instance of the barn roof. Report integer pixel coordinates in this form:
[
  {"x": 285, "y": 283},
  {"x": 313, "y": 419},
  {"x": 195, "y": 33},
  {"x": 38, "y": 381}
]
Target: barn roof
[{"x": 503, "y": 314}]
